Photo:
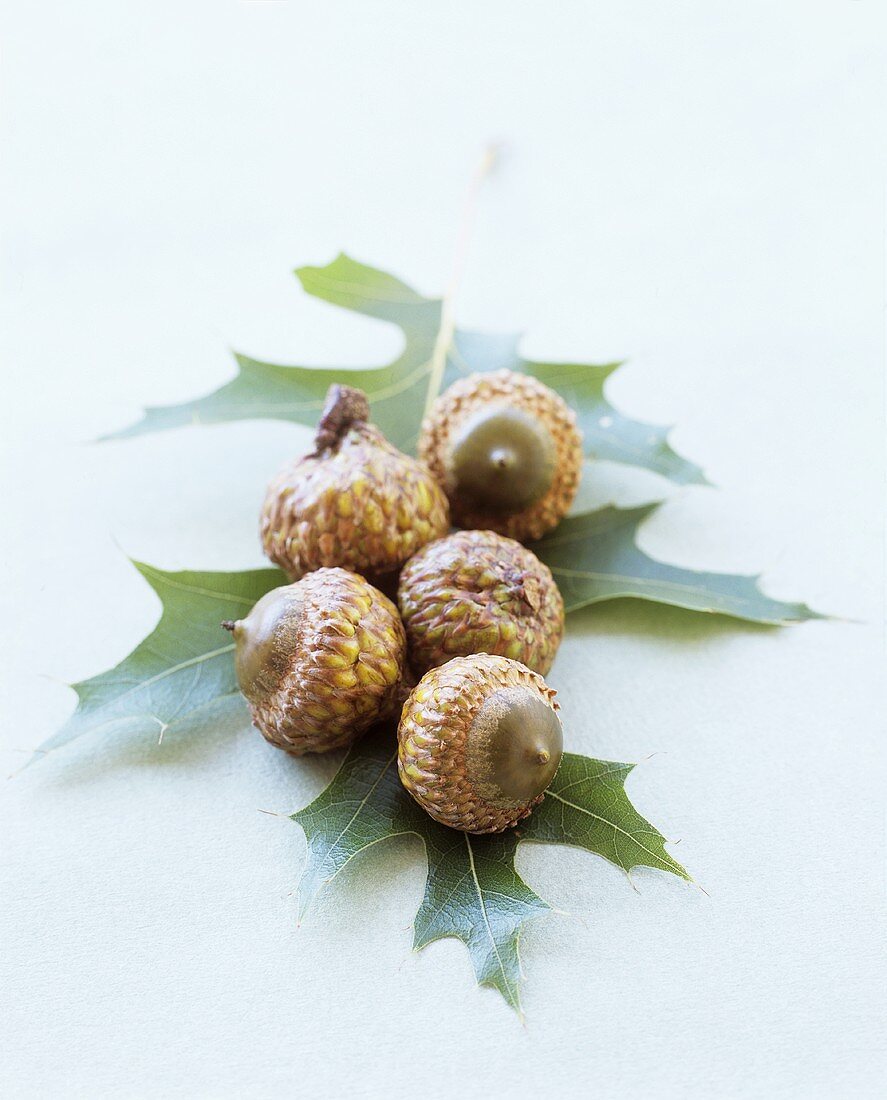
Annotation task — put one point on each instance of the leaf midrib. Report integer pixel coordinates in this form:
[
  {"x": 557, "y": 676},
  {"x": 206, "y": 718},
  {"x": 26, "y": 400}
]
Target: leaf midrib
[
  {"x": 356, "y": 813},
  {"x": 164, "y": 578},
  {"x": 616, "y": 828},
  {"x": 588, "y": 575},
  {"x": 142, "y": 684},
  {"x": 483, "y": 907}
]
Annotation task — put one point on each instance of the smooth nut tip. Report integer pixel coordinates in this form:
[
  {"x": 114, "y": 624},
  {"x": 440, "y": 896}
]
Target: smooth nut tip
[{"x": 502, "y": 460}]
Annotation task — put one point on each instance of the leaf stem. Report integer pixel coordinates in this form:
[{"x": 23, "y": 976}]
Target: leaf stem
[{"x": 447, "y": 319}]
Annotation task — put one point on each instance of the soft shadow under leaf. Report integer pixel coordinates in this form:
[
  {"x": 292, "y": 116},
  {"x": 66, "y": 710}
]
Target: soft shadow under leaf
[{"x": 473, "y": 892}]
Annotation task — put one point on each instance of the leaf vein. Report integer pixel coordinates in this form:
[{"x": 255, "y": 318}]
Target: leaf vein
[
  {"x": 483, "y": 908},
  {"x": 660, "y": 859}
]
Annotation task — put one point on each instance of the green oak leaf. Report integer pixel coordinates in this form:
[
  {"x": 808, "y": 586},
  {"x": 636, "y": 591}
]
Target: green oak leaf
[
  {"x": 473, "y": 892},
  {"x": 181, "y": 677},
  {"x": 586, "y": 806},
  {"x": 398, "y": 391},
  {"x": 595, "y": 557}
]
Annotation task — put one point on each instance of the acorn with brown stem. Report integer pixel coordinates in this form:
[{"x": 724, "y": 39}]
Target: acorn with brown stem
[{"x": 356, "y": 501}]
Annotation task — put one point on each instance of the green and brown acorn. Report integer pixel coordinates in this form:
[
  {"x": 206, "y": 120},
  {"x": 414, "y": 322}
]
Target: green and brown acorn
[
  {"x": 507, "y": 451},
  {"x": 479, "y": 592},
  {"x": 479, "y": 741},
  {"x": 356, "y": 501},
  {"x": 320, "y": 661}
]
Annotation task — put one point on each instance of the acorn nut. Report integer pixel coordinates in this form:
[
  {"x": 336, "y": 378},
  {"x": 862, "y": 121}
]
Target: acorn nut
[
  {"x": 356, "y": 501},
  {"x": 479, "y": 592},
  {"x": 479, "y": 742},
  {"x": 320, "y": 661},
  {"x": 507, "y": 451}
]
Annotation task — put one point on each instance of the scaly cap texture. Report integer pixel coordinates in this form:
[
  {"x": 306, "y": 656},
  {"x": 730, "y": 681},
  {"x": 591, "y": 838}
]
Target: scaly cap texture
[
  {"x": 535, "y": 403},
  {"x": 479, "y": 592},
  {"x": 436, "y": 746},
  {"x": 355, "y": 502},
  {"x": 320, "y": 661}
]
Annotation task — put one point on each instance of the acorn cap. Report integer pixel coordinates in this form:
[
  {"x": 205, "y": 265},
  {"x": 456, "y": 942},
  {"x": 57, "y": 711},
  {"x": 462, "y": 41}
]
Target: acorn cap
[
  {"x": 479, "y": 742},
  {"x": 479, "y": 592},
  {"x": 320, "y": 661},
  {"x": 356, "y": 501},
  {"x": 507, "y": 450}
]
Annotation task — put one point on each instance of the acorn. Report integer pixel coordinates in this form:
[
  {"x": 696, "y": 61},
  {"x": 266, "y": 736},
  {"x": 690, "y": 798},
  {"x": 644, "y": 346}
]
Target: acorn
[
  {"x": 479, "y": 742},
  {"x": 355, "y": 501},
  {"x": 479, "y": 592},
  {"x": 507, "y": 451},
  {"x": 320, "y": 661}
]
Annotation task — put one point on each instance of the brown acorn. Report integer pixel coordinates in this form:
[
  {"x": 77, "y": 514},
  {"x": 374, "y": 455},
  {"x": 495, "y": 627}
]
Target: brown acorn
[
  {"x": 355, "y": 502},
  {"x": 507, "y": 451},
  {"x": 479, "y": 592},
  {"x": 320, "y": 661},
  {"x": 479, "y": 742}
]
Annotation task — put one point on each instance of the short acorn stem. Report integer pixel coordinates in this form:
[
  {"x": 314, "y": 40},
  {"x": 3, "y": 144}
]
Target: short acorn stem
[
  {"x": 229, "y": 624},
  {"x": 543, "y": 756},
  {"x": 345, "y": 406}
]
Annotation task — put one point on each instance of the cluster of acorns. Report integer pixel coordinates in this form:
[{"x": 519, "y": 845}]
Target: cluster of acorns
[{"x": 478, "y": 618}]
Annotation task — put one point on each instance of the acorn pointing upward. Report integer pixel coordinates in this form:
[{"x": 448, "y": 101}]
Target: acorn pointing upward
[
  {"x": 507, "y": 451},
  {"x": 502, "y": 460}
]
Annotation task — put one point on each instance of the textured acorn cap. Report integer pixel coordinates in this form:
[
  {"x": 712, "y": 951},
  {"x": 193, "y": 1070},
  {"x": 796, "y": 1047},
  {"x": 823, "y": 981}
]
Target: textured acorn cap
[
  {"x": 507, "y": 451},
  {"x": 320, "y": 661},
  {"x": 478, "y": 743},
  {"x": 355, "y": 502},
  {"x": 479, "y": 592}
]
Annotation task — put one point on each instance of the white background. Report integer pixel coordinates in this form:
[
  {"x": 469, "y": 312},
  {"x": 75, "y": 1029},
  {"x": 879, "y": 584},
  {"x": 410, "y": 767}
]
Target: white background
[{"x": 695, "y": 186}]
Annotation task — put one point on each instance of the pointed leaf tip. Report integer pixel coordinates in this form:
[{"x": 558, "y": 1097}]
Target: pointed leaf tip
[
  {"x": 594, "y": 557},
  {"x": 182, "y": 675}
]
